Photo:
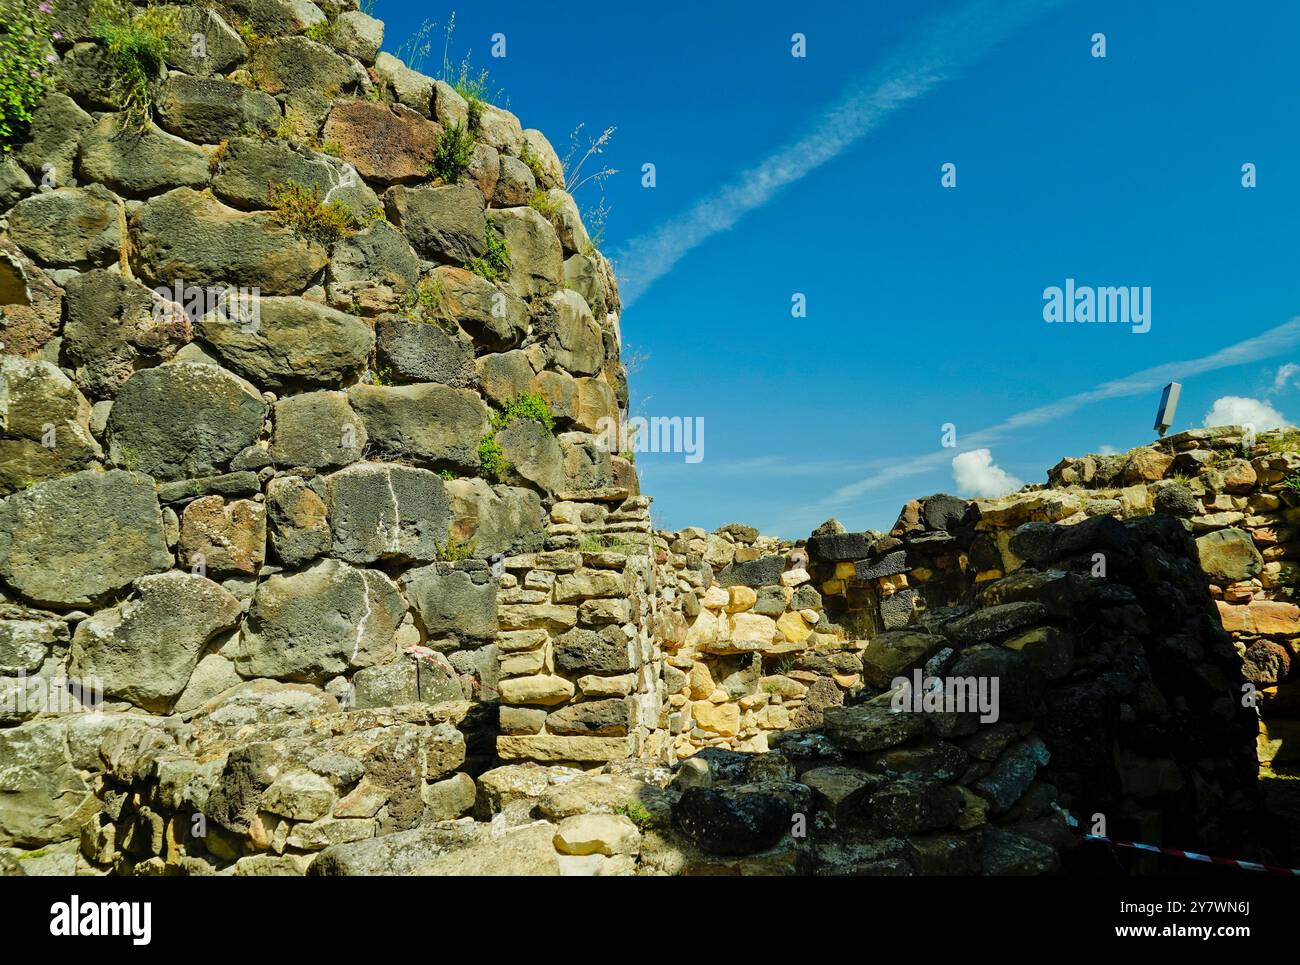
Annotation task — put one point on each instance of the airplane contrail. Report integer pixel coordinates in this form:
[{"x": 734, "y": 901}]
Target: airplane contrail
[
  {"x": 1262, "y": 346},
  {"x": 948, "y": 45}
]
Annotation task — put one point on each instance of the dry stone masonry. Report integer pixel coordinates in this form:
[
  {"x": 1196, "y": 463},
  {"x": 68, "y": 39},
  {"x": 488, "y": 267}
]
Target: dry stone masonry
[{"x": 312, "y": 561}]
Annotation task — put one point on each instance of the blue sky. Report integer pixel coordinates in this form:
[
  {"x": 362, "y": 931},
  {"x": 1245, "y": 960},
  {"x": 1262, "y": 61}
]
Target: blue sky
[{"x": 924, "y": 304}]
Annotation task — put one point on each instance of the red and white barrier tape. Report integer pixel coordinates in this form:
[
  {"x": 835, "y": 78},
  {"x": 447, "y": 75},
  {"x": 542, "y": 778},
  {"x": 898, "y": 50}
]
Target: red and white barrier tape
[{"x": 1193, "y": 856}]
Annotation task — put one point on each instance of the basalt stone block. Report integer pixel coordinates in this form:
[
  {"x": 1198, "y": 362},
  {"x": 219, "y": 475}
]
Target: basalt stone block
[
  {"x": 424, "y": 352},
  {"x": 443, "y": 224},
  {"x": 249, "y": 168},
  {"x": 316, "y": 624},
  {"x": 405, "y": 682},
  {"x": 597, "y": 718},
  {"x": 206, "y": 110},
  {"x": 183, "y": 420},
  {"x": 888, "y": 565},
  {"x": 870, "y": 727},
  {"x": 911, "y": 807},
  {"x": 494, "y": 316},
  {"x": 53, "y": 137},
  {"x": 68, "y": 226},
  {"x": 291, "y": 343},
  {"x": 458, "y": 600},
  {"x": 67, "y": 542},
  {"x": 134, "y": 162},
  {"x": 898, "y": 609},
  {"x": 496, "y": 519},
  {"x": 385, "y": 511},
  {"x": 1034, "y": 542},
  {"x": 764, "y": 571},
  {"x": 944, "y": 512},
  {"x": 1012, "y": 774},
  {"x": 222, "y": 46},
  {"x": 378, "y": 258},
  {"x": 44, "y": 425},
  {"x": 434, "y": 424},
  {"x": 288, "y": 64},
  {"x": 300, "y": 529},
  {"x": 144, "y": 650},
  {"x": 737, "y": 820},
  {"x": 31, "y": 305},
  {"x": 605, "y": 651},
  {"x": 1020, "y": 684},
  {"x": 839, "y": 547},
  {"x": 317, "y": 429},
  {"x": 221, "y": 538},
  {"x": 230, "y": 484},
  {"x": 116, "y": 326},
  {"x": 1176, "y": 500},
  {"x": 386, "y": 143},
  {"x": 536, "y": 255},
  {"x": 190, "y": 235},
  {"x": 890, "y": 654},
  {"x": 1229, "y": 555},
  {"x": 993, "y": 622}
]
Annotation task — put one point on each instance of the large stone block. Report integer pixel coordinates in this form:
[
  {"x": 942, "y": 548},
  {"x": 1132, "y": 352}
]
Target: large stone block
[
  {"x": 190, "y": 236},
  {"x": 385, "y": 511},
  {"x": 319, "y": 623},
  {"x": 183, "y": 420},
  {"x": 453, "y": 600},
  {"x": 290, "y": 343},
  {"x": 433, "y": 424},
  {"x": 144, "y": 650},
  {"x": 68, "y": 542}
]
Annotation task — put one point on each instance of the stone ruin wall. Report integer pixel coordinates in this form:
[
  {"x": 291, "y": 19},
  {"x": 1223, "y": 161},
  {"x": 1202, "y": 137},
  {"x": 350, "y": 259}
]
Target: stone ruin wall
[
  {"x": 219, "y": 521},
  {"x": 328, "y": 642}
]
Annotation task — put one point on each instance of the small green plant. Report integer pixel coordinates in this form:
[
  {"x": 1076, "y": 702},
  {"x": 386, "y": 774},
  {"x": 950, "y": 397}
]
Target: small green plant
[
  {"x": 453, "y": 154},
  {"x": 319, "y": 31},
  {"x": 26, "y": 63},
  {"x": 638, "y": 814},
  {"x": 541, "y": 202},
  {"x": 612, "y": 543},
  {"x": 249, "y": 35},
  {"x": 492, "y": 458},
  {"x": 218, "y": 154},
  {"x": 383, "y": 375},
  {"x": 495, "y": 261},
  {"x": 1292, "y": 482},
  {"x": 455, "y": 550},
  {"x": 136, "y": 47},
  {"x": 332, "y": 148},
  {"x": 1181, "y": 478},
  {"x": 302, "y": 209},
  {"x": 426, "y": 302},
  {"x": 447, "y": 474},
  {"x": 474, "y": 113},
  {"x": 526, "y": 405},
  {"x": 1286, "y": 440},
  {"x": 533, "y": 161}
]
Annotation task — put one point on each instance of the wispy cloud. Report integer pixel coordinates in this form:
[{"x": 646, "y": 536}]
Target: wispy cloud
[
  {"x": 942, "y": 50},
  {"x": 888, "y": 471}
]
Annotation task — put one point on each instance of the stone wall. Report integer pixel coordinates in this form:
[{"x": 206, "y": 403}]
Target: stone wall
[
  {"x": 289, "y": 417},
  {"x": 747, "y": 649},
  {"x": 311, "y": 558}
]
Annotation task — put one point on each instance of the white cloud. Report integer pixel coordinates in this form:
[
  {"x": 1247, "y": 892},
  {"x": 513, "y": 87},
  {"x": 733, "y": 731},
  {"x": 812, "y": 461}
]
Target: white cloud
[
  {"x": 976, "y": 475},
  {"x": 1236, "y": 410},
  {"x": 1106, "y": 450},
  {"x": 949, "y": 45},
  {"x": 889, "y": 470},
  {"x": 1284, "y": 375}
]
